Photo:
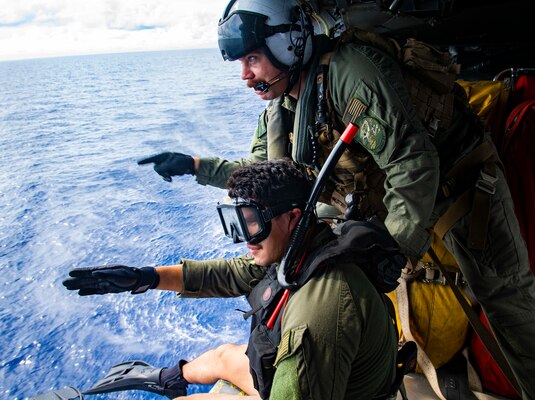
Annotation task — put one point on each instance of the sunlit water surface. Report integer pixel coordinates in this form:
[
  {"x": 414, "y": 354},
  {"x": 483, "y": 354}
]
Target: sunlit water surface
[{"x": 72, "y": 195}]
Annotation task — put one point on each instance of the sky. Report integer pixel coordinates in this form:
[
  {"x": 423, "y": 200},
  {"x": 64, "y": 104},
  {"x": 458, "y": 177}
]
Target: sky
[{"x": 47, "y": 28}]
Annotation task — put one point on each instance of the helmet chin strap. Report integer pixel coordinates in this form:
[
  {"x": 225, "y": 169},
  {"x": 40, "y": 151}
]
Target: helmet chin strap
[
  {"x": 264, "y": 86},
  {"x": 293, "y": 77}
]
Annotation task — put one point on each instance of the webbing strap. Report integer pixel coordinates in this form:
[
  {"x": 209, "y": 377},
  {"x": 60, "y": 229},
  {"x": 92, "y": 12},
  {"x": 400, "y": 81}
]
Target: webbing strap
[
  {"x": 485, "y": 187},
  {"x": 474, "y": 383},
  {"x": 422, "y": 358},
  {"x": 455, "y": 212},
  {"x": 476, "y": 200},
  {"x": 476, "y": 157},
  {"x": 486, "y": 337}
]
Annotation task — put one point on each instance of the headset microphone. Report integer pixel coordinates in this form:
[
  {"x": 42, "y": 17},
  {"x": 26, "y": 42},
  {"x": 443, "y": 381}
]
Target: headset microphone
[
  {"x": 264, "y": 86},
  {"x": 261, "y": 87}
]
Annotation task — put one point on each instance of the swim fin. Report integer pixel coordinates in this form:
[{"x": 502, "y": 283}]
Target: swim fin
[
  {"x": 138, "y": 375},
  {"x": 67, "y": 393}
]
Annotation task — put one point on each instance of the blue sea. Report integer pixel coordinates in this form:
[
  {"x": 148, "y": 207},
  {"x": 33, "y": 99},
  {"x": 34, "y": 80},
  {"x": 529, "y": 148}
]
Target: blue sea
[{"x": 72, "y": 195}]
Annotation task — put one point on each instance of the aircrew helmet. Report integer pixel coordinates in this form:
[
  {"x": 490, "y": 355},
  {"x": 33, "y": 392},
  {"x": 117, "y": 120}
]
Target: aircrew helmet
[{"x": 279, "y": 27}]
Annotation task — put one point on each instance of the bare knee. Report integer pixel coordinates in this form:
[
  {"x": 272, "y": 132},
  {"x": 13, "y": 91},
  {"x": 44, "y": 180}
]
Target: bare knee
[{"x": 227, "y": 355}]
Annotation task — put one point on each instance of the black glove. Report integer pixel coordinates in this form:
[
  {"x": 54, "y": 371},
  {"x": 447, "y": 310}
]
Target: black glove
[
  {"x": 170, "y": 164},
  {"x": 112, "y": 279}
]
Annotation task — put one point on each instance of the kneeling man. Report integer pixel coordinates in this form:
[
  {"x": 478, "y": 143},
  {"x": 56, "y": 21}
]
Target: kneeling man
[{"x": 330, "y": 337}]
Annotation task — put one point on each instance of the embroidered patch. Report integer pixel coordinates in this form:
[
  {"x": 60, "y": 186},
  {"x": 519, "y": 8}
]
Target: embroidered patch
[
  {"x": 267, "y": 294},
  {"x": 355, "y": 108},
  {"x": 371, "y": 134},
  {"x": 284, "y": 347}
]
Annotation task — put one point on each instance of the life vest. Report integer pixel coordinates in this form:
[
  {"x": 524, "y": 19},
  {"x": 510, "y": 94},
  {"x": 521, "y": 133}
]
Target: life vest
[
  {"x": 429, "y": 76},
  {"x": 263, "y": 342},
  {"x": 356, "y": 173},
  {"x": 370, "y": 247}
]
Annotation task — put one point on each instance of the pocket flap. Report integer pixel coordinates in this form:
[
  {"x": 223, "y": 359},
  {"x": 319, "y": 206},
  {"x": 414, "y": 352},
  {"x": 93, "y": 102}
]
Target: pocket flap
[{"x": 291, "y": 341}]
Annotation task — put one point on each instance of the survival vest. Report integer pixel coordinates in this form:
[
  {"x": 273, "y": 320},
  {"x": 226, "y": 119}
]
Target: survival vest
[
  {"x": 263, "y": 342},
  {"x": 370, "y": 247},
  {"x": 430, "y": 79}
]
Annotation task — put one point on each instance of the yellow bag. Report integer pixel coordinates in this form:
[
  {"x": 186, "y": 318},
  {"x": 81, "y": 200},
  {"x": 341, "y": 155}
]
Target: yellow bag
[
  {"x": 488, "y": 100},
  {"x": 437, "y": 321}
]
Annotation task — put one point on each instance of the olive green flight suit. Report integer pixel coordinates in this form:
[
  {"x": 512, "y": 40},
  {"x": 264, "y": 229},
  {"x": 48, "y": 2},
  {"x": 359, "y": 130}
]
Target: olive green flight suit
[
  {"x": 499, "y": 275},
  {"x": 277, "y": 119},
  {"x": 337, "y": 342}
]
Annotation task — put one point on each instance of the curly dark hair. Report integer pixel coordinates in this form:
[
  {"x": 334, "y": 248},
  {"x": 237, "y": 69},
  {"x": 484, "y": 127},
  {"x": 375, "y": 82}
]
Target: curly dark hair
[{"x": 270, "y": 182}]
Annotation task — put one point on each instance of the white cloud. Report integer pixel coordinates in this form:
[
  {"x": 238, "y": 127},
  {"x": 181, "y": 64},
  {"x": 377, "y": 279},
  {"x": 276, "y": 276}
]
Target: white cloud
[{"x": 36, "y": 28}]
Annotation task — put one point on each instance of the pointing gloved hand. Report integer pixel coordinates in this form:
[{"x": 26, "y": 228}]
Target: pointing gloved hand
[
  {"x": 170, "y": 164},
  {"x": 112, "y": 279}
]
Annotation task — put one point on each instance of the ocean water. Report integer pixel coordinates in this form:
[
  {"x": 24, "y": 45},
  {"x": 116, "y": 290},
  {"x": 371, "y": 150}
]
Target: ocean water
[{"x": 72, "y": 195}]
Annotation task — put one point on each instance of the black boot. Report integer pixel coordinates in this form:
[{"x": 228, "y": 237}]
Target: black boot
[{"x": 172, "y": 381}]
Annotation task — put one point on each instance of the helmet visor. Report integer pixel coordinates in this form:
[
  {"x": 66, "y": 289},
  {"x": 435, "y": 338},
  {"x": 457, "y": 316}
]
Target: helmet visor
[{"x": 241, "y": 33}]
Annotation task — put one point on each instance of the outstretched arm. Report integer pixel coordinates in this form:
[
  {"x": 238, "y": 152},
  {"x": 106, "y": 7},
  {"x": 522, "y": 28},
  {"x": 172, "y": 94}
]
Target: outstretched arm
[
  {"x": 214, "y": 171},
  {"x": 209, "y": 278}
]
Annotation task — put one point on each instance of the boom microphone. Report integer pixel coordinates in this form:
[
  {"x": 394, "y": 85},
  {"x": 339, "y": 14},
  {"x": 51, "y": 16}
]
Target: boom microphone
[{"x": 264, "y": 86}]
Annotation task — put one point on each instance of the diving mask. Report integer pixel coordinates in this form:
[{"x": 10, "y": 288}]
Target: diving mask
[{"x": 249, "y": 221}]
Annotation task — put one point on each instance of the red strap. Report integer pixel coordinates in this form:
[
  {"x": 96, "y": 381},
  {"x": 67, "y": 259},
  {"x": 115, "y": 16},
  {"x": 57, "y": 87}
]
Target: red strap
[{"x": 282, "y": 302}]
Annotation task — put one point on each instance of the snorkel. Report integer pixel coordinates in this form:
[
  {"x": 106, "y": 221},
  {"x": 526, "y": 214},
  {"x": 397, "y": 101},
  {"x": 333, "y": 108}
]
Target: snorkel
[{"x": 287, "y": 271}]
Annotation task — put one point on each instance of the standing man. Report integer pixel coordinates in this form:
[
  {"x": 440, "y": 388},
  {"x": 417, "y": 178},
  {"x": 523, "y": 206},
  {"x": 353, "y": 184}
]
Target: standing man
[
  {"x": 333, "y": 337},
  {"x": 441, "y": 171}
]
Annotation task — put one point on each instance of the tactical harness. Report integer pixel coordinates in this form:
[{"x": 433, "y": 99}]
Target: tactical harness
[
  {"x": 358, "y": 180},
  {"x": 371, "y": 248},
  {"x": 357, "y": 184}
]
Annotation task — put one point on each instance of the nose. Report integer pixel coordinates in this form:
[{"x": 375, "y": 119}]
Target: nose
[{"x": 246, "y": 72}]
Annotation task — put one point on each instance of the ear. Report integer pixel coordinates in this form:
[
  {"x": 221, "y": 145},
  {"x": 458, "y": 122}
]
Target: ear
[{"x": 295, "y": 216}]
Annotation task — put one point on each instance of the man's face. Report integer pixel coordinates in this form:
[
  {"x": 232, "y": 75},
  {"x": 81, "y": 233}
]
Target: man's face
[
  {"x": 256, "y": 67},
  {"x": 272, "y": 248}
]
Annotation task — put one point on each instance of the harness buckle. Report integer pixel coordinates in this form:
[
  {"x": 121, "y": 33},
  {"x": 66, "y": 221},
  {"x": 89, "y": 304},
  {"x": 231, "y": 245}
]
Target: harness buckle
[
  {"x": 486, "y": 182},
  {"x": 432, "y": 274}
]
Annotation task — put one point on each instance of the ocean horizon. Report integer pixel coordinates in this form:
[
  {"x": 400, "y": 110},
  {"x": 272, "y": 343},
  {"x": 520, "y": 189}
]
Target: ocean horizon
[{"x": 52, "y": 56}]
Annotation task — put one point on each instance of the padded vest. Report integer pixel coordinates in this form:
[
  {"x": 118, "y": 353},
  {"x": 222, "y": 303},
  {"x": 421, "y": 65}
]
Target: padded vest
[{"x": 366, "y": 243}]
